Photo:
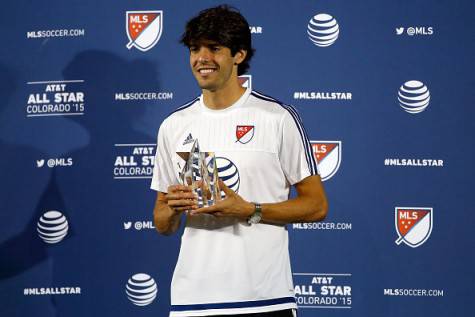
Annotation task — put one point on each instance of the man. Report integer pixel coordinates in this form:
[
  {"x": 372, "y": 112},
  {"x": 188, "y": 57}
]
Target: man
[{"x": 234, "y": 257}]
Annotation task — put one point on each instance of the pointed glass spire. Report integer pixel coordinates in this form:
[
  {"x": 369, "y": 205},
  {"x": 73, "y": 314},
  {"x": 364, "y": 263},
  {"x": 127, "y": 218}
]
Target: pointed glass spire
[{"x": 201, "y": 173}]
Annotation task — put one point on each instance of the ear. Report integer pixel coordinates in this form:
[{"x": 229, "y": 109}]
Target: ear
[{"x": 239, "y": 57}]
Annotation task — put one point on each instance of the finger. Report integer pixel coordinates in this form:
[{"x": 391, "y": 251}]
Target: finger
[
  {"x": 206, "y": 191},
  {"x": 176, "y": 188},
  {"x": 184, "y": 208},
  {"x": 205, "y": 210},
  {"x": 182, "y": 202},
  {"x": 181, "y": 195},
  {"x": 228, "y": 191}
]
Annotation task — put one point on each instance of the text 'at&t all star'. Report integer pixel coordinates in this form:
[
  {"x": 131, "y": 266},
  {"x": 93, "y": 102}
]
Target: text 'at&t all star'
[
  {"x": 323, "y": 290},
  {"x": 55, "y": 98},
  {"x": 134, "y": 161}
]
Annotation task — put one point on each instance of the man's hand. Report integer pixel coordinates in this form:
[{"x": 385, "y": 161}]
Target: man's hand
[
  {"x": 170, "y": 206},
  {"x": 181, "y": 198},
  {"x": 232, "y": 206}
]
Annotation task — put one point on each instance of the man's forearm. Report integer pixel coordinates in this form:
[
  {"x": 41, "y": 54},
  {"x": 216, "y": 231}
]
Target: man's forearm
[
  {"x": 310, "y": 204},
  {"x": 166, "y": 220},
  {"x": 300, "y": 209}
]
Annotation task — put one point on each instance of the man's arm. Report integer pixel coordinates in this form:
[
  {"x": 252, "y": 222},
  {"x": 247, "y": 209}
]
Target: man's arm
[
  {"x": 169, "y": 207},
  {"x": 309, "y": 205},
  {"x": 166, "y": 220}
]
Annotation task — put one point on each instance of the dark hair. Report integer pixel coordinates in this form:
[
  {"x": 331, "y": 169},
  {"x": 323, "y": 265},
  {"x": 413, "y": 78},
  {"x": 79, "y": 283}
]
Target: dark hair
[{"x": 224, "y": 25}]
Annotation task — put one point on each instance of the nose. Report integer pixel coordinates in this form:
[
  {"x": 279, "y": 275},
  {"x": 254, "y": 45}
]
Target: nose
[{"x": 204, "y": 55}]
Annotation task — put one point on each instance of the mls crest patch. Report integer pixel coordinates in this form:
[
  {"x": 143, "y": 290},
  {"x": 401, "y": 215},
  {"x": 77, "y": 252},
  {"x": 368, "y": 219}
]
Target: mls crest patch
[
  {"x": 144, "y": 29},
  {"x": 413, "y": 225},
  {"x": 244, "y": 133},
  {"x": 328, "y": 156},
  {"x": 245, "y": 81}
]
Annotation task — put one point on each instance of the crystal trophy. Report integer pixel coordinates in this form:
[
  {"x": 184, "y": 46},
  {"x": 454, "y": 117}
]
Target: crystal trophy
[{"x": 201, "y": 173}]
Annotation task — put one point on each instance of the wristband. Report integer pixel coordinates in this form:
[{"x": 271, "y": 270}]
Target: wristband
[{"x": 256, "y": 216}]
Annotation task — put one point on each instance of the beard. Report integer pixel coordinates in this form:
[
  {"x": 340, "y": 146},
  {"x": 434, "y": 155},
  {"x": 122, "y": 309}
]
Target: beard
[{"x": 217, "y": 80}]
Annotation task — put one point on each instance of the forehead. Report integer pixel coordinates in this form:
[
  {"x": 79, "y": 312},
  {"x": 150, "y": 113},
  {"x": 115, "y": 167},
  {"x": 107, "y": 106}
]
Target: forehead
[{"x": 205, "y": 43}]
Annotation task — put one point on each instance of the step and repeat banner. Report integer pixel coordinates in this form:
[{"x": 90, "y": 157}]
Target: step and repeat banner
[{"x": 385, "y": 90}]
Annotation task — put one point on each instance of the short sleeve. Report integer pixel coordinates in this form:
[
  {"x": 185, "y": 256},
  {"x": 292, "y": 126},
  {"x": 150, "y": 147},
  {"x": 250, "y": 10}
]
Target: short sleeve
[
  {"x": 163, "y": 173},
  {"x": 295, "y": 152}
]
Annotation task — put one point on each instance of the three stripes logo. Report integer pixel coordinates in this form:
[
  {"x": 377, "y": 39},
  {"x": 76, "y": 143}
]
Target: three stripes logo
[{"x": 189, "y": 139}]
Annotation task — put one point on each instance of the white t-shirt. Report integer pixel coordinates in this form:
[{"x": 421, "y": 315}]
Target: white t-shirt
[{"x": 227, "y": 266}]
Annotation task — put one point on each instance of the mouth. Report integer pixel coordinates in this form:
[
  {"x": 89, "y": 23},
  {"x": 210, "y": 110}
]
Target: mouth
[{"x": 206, "y": 70}]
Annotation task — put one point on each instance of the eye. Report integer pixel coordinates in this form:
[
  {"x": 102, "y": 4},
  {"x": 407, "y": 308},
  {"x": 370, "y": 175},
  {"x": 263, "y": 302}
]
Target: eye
[
  {"x": 215, "y": 48},
  {"x": 193, "y": 49}
]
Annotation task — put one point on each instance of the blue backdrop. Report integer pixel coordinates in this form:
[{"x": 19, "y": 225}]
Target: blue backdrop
[{"x": 388, "y": 106}]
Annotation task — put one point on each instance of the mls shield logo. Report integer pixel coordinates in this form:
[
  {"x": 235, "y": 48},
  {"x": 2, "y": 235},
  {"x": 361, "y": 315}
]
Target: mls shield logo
[
  {"x": 244, "y": 133},
  {"x": 245, "y": 81},
  {"x": 413, "y": 225},
  {"x": 144, "y": 28},
  {"x": 328, "y": 155}
]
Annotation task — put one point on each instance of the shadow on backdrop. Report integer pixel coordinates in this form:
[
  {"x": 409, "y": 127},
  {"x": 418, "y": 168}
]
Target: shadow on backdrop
[{"x": 85, "y": 192}]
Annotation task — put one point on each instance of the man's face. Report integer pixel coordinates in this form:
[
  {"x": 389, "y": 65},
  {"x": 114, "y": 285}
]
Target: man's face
[{"x": 213, "y": 65}]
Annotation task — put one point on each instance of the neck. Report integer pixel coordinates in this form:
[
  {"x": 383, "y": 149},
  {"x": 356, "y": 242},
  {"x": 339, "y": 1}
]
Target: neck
[{"x": 224, "y": 97}]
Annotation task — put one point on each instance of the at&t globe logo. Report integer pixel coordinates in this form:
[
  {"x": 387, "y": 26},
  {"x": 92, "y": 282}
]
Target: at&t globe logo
[
  {"x": 141, "y": 289},
  {"x": 228, "y": 173},
  {"x": 323, "y": 30},
  {"x": 413, "y": 96},
  {"x": 52, "y": 227}
]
